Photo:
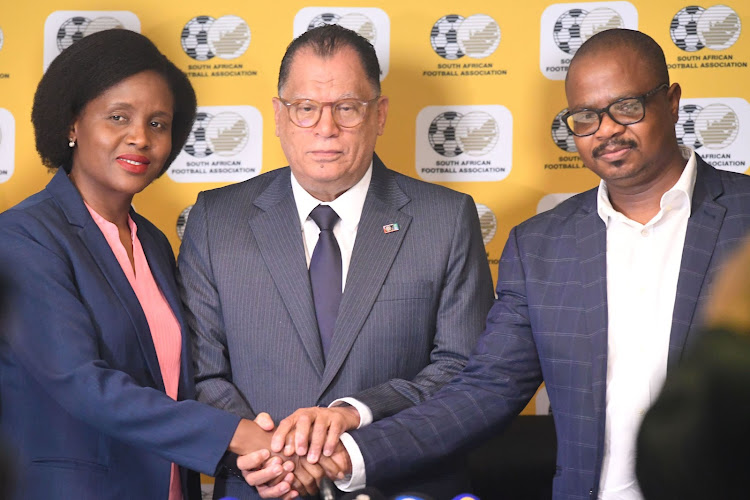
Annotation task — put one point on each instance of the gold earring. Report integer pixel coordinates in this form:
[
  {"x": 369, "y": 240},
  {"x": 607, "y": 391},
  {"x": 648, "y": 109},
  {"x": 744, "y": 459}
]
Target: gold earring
[{"x": 71, "y": 143}]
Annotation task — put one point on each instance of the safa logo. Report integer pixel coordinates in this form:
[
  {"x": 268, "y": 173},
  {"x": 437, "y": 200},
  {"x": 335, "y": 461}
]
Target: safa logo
[
  {"x": 464, "y": 143},
  {"x": 454, "y": 36},
  {"x": 63, "y": 28},
  {"x": 371, "y": 23},
  {"x": 694, "y": 28},
  {"x": 566, "y": 26},
  {"x": 711, "y": 127}
]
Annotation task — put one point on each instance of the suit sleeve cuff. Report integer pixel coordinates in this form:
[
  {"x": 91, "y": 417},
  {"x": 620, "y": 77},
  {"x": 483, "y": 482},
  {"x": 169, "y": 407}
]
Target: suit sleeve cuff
[
  {"x": 365, "y": 414},
  {"x": 358, "y": 479}
]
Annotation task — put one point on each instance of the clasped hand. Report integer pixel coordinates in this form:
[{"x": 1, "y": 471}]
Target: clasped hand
[{"x": 304, "y": 448}]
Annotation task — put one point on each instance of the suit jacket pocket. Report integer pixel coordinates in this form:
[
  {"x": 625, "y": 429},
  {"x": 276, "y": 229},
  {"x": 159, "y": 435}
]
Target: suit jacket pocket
[
  {"x": 69, "y": 463},
  {"x": 405, "y": 291}
]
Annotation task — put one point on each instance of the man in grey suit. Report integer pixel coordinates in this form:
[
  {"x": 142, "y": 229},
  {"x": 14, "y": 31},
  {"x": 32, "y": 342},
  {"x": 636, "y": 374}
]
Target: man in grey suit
[
  {"x": 598, "y": 297},
  {"x": 268, "y": 334}
]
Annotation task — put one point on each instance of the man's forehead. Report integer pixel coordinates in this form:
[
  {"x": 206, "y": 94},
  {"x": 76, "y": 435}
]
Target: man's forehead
[
  {"x": 308, "y": 55},
  {"x": 311, "y": 72},
  {"x": 604, "y": 75}
]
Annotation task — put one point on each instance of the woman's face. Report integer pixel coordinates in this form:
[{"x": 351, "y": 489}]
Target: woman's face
[{"x": 123, "y": 138}]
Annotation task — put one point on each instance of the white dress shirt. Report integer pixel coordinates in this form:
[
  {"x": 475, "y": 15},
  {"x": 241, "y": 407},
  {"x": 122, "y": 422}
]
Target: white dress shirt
[
  {"x": 348, "y": 207},
  {"x": 643, "y": 264}
]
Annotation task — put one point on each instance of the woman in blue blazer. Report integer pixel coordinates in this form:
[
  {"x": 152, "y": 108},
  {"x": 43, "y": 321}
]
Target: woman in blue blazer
[{"x": 86, "y": 363}]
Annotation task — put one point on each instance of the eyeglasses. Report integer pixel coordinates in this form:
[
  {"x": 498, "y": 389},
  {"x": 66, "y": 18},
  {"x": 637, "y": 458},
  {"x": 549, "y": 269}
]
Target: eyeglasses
[
  {"x": 346, "y": 113},
  {"x": 625, "y": 111}
]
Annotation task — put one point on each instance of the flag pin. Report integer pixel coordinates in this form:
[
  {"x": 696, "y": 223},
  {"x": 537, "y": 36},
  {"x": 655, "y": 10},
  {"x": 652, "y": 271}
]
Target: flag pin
[{"x": 390, "y": 228}]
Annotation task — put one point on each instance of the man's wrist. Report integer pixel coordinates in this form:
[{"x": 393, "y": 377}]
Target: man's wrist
[
  {"x": 357, "y": 478},
  {"x": 363, "y": 411},
  {"x": 351, "y": 415}
]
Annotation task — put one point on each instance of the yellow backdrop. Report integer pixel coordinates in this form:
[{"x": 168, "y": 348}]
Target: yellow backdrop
[{"x": 475, "y": 89}]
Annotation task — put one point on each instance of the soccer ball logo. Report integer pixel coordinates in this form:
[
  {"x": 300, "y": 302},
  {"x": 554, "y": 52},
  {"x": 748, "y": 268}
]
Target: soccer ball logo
[
  {"x": 442, "y": 134},
  {"x": 687, "y": 134},
  {"x": 694, "y": 28},
  {"x": 63, "y": 28},
  {"x": 197, "y": 143},
  {"x": 194, "y": 38},
  {"x": 444, "y": 37},
  {"x": 561, "y": 135},
  {"x": 71, "y": 31},
  {"x": 567, "y": 30},
  {"x": 182, "y": 221},
  {"x": 578, "y": 25},
  {"x": 684, "y": 28},
  {"x": 323, "y": 20}
]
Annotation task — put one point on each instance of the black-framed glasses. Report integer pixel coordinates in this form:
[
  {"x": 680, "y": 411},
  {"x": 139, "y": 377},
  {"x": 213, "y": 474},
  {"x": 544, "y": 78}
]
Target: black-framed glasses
[
  {"x": 625, "y": 111},
  {"x": 346, "y": 113}
]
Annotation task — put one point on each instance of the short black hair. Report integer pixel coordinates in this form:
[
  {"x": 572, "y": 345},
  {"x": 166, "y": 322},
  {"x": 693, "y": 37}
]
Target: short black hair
[
  {"x": 84, "y": 71},
  {"x": 326, "y": 41},
  {"x": 618, "y": 39}
]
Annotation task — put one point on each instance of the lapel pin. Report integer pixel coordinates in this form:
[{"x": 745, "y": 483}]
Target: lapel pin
[{"x": 390, "y": 228}]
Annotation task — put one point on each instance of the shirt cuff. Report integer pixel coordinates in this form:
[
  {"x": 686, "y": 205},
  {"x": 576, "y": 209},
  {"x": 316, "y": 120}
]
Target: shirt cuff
[
  {"x": 358, "y": 478},
  {"x": 365, "y": 414}
]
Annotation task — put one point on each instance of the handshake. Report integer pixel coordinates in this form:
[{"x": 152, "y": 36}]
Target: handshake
[{"x": 291, "y": 460}]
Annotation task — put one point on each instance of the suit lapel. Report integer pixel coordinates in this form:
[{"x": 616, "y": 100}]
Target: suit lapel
[
  {"x": 372, "y": 257},
  {"x": 278, "y": 234},
  {"x": 160, "y": 265},
  {"x": 72, "y": 205},
  {"x": 706, "y": 218},
  {"x": 591, "y": 241}
]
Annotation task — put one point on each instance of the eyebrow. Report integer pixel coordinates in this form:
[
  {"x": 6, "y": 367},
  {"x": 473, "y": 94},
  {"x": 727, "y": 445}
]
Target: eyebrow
[
  {"x": 164, "y": 113},
  {"x": 347, "y": 95},
  {"x": 610, "y": 101},
  {"x": 129, "y": 106}
]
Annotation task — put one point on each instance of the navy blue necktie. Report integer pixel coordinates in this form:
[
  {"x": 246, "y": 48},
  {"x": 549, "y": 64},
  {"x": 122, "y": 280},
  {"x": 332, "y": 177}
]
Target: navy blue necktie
[{"x": 325, "y": 273}]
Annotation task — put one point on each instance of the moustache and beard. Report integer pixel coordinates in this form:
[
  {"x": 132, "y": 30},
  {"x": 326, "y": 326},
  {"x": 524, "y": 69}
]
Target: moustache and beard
[{"x": 611, "y": 145}]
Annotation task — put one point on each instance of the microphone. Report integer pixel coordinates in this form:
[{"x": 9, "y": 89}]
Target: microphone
[{"x": 327, "y": 489}]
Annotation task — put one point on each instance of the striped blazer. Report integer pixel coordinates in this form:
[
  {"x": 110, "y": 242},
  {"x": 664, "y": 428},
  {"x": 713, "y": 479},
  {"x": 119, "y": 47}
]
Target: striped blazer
[{"x": 413, "y": 308}]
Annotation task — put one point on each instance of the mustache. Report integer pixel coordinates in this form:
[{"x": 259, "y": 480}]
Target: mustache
[{"x": 601, "y": 149}]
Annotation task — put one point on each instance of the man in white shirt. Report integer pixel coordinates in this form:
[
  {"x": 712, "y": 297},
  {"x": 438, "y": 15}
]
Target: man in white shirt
[
  {"x": 335, "y": 278},
  {"x": 597, "y": 297}
]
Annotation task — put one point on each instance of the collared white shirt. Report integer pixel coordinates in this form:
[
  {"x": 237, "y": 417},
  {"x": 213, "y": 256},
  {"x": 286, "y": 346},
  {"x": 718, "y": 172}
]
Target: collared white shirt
[
  {"x": 348, "y": 207},
  {"x": 643, "y": 265}
]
